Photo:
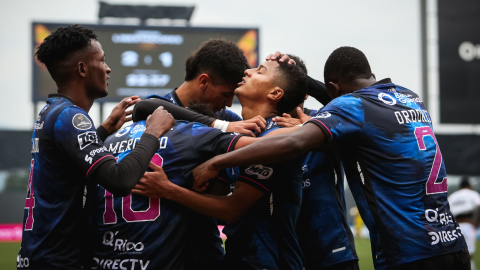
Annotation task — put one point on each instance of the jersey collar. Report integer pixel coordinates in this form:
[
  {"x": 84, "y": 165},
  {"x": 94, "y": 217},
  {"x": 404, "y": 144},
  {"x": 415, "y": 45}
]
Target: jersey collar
[
  {"x": 175, "y": 97},
  {"x": 384, "y": 81},
  {"x": 60, "y": 96}
]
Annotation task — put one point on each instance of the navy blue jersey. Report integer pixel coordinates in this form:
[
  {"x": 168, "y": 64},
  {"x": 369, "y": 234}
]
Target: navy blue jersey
[
  {"x": 207, "y": 245},
  {"x": 324, "y": 234},
  {"x": 137, "y": 232},
  {"x": 324, "y": 199},
  {"x": 265, "y": 236},
  {"x": 65, "y": 148},
  {"x": 395, "y": 171}
]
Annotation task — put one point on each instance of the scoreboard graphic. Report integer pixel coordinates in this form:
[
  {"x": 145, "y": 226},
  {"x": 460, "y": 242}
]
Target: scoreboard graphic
[{"x": 144, "y": 60}]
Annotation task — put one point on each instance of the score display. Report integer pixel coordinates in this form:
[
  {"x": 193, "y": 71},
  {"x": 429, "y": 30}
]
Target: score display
[{"x": 144, "y": 60}]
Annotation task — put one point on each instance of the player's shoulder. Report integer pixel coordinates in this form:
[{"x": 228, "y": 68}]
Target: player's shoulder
[{"x": 77, "y": 116}]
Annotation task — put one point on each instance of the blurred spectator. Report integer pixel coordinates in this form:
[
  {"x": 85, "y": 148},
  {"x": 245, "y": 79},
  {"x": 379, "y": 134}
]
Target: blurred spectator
[{"x": 465, "y": 206}]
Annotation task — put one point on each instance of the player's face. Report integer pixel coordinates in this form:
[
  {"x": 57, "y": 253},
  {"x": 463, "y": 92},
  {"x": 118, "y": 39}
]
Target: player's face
[
  {"x": 257, "y": 83},
  {"x": 219, "y": 96},
  {"x": 97, "y": 77}
]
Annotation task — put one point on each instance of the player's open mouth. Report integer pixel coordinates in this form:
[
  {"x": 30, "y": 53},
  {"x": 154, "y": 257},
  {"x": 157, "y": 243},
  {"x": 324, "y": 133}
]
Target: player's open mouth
[{"x": 242, "y": 82}]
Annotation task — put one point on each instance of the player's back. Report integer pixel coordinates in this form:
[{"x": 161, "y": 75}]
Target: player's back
[
  {"x": 54, "y": 209},
  {"x": 137, "y": 232},
  {"x": 265, "y": 236},
  {"x": 395, "y": 170}
]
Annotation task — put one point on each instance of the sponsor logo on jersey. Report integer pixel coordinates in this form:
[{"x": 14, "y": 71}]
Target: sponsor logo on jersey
[
  {"x": 22, "y": 262},
  {"x": 38, "y": 125},
  {"x": 123, "y": 131},
  {"x": 138, "y": 128},
  {"x": 323, "y": 115},
  {"x": 260, "y": 171},
  {"x": 81, "y": 121},
  {"x": 87, "y": 138},
  {"x": 305, "y": 168},
  {"x": 387, "y": 99}
]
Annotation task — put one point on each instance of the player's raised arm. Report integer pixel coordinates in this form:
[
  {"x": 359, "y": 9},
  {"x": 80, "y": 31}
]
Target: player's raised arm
[
  {"x": 146, "y": 107},
  {"x": 268, "y": 150}
]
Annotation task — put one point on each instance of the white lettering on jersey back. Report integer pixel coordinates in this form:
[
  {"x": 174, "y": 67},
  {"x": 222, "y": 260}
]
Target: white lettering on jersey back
[{"x": 412, "y": 116}]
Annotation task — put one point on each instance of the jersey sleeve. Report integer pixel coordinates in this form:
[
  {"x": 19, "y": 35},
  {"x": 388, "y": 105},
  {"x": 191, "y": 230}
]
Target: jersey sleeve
[
  {"x": 342, "y": 118},
  {"x": 209, "y": 142},
  {"x": 77, "y": 137}
]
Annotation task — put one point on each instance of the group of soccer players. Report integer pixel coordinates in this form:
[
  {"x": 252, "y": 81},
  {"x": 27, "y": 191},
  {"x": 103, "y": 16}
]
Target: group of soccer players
[{"x": 150, "y": 195}]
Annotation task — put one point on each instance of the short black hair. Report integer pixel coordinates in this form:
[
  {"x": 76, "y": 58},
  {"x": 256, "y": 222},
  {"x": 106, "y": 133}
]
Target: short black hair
[
  {"x": 293, "y": 81},
  {"x": 348, "y": 63},
  {"x": 222, "y": 60},
  {"x": 464, "y": 182},
  {"x": 299, "y": 62},
  {"x": 62, "y": 43}
]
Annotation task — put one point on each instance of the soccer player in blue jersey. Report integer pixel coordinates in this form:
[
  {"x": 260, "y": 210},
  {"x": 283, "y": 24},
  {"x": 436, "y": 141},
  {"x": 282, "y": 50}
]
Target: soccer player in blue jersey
[
  {"x": 391, "y": 158},
  {"x": 68, "y": 156},
  {"x": 263, "y": 210},
  {"x": 136, "y": 232},
  {"x": 325, "y": 245}
]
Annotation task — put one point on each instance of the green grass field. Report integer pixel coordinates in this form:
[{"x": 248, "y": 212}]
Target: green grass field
[{"x": 9, "y": 251}]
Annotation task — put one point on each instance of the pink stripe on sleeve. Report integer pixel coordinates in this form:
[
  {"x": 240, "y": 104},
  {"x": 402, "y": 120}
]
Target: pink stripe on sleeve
[
  {"x": 221, "y": 178},
  {"x": 331, "y": 137},
  {"x": 231, "y": 143},
  {"x": 255, "y": 182},
  {"x": 96, "y": 163}
]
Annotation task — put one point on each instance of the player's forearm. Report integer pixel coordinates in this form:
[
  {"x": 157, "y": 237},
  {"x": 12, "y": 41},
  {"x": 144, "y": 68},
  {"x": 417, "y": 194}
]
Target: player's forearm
[
  {"x": 221, "y": 207},
  {"x": 267, "y": 150},
  {"x": 120, "y": 178},
  {"x": 146, "y": 107}
]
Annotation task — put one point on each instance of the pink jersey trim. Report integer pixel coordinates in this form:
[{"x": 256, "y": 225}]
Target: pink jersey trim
[
  {"x": 231, "y": 143},
  {"x": 221, "y": 178},
  {"x": 331, "y": 137},
  {"x": 96, "y": 163},
  {"x": 255, "y": 182}
]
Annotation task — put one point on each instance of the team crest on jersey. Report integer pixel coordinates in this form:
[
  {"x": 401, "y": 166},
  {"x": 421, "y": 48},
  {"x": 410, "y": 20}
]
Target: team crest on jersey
[
  {"x": 81, "y": 121},
  {"x": 387, "y": 99},
  {"x": 323, "y": 115},
  {"x": 87, "y": 138},
  {"x": 260, "y": 171}
]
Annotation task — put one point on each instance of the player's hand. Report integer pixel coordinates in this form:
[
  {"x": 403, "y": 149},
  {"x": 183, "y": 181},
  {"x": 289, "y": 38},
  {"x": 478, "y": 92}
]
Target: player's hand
[
  {"x": 153, "y": 184},
  {"x": 202, "y": 174},
  {"x": 288, "y": 121},
  {"x": 272, "y": 57},
  {"x": 257, "y": 124},
  {"x": 120, "y": 115},
  {"x": 159, "y": 122}
]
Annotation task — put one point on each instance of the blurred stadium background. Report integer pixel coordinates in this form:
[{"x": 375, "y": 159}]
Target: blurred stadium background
[{"x": 429, "y": 46}]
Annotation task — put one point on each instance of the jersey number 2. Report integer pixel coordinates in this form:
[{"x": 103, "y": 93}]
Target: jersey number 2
[
  {"x": 130, "y": 215},
  {"x": 432, "y": 187},
  {"x": 30, "y": 201}
]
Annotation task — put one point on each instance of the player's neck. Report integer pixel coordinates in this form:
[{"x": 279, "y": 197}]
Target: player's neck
[
  {"x": 361, "y": 83},
  {"x": 188, "y": 92},
  {"x": 78, "y": 95},
  {"x": 263, "y": 110}
]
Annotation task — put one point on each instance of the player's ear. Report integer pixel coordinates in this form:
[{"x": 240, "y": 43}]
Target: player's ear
[
  {"x": 275, "y": 94},
  {"x": 204, "y": 81},
  {"x": 373, "y": 75},
  {"x": 334, "y": 89},
  {"x": 82, "y": 69}
]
